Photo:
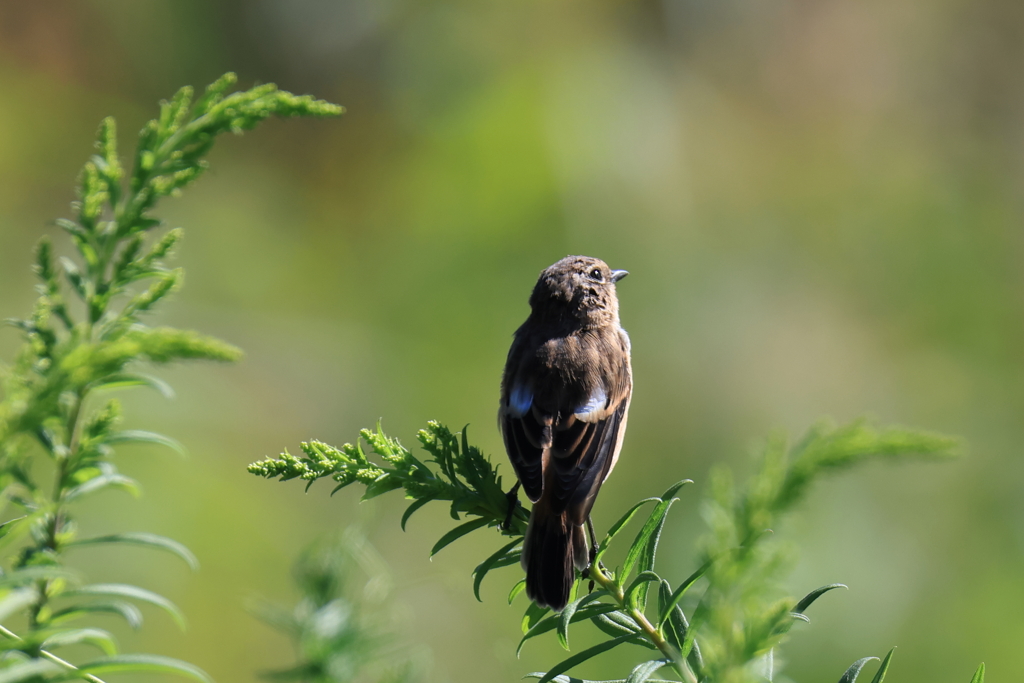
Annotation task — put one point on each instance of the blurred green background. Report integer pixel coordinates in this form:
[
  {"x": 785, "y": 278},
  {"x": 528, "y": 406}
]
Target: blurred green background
[{"x": 819, "y": 202}]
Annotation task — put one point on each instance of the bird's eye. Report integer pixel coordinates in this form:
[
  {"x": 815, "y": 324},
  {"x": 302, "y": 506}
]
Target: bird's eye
[{"x": 595, "y": 274}]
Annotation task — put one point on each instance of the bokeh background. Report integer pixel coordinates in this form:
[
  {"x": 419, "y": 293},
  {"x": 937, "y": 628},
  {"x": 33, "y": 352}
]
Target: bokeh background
[{"x": 819, "y": 202}]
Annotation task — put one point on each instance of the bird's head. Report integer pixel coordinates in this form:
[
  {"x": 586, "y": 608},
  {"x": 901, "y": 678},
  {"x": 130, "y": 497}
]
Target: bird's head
[{"x": 578, "y": 288}]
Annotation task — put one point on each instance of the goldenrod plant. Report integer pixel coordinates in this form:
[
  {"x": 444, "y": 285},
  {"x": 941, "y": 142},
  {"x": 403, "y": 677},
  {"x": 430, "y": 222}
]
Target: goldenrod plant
[
  {"x": 740, "y": 616},
  {"x": 87, "y": 336}
]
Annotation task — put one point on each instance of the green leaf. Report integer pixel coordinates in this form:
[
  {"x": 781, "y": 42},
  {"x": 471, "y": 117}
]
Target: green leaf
[
  {"x": 30, "y": 574},
  {"x": 126, "y": 610},
  {"x": 123, "y": 590},
  {"x": 802, "y": 606},
  {"x": 92, "y": 636},
  {"x": 640, "y": 582},
  {"x": 132, "y": 663},
  {"x": 617, "y": 527},
  {"x": 17, "y": 600},
  {"x": 31, "y": 669},
  {"x": 516, "y": 590},
  {"x": 583, "y": 656},
  {"x": 650, "y": 532},
  {"x": 143, "y": 539},
  {"x": 413, "y": 508},
  {"x": 643, "y": 672},
  {"x": 884, "y": 668},
  {"x": 99, "y": 483},
  {"x": 679, "y": 592},
  {"x": 851, "y": 674},
  {"x": 569, "y": 610},
  {"x": 124, "y": 380},
  {"x": 458, "y": 532},
  {"x": 141, "y": 436},
  {"x": 534, "y": 613},
  {"x": 481, "y": 570},
  {"x": 550, "y": 623},
  {"x": 979, "y": 675}
]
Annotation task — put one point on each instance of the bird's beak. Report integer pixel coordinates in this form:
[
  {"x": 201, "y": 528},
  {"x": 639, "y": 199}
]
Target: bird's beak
[{"x": 619, "y": 274}]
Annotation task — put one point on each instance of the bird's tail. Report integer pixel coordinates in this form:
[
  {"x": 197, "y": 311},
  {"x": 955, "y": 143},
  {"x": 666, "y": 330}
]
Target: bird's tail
[{"x": 552, "y": 549}]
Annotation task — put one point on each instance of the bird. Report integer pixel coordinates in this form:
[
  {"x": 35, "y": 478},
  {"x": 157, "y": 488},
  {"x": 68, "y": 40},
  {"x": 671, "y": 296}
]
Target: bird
[{"x": 565, "y": 395}]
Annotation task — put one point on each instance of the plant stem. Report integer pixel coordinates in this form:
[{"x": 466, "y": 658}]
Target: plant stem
[{"x": 608, "y": 583}]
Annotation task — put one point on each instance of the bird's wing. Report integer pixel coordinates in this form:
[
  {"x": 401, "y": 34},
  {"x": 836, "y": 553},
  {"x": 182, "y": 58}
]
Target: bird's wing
[
  {"x": 527, "y": 433},
  {"x": 584, "y": 449}
]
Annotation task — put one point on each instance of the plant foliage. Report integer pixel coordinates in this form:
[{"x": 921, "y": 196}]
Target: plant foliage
[
  {"x": 739, "y": 615},
  {"x": 339, "y": 626},
  {"x": 86, "y": 336}
]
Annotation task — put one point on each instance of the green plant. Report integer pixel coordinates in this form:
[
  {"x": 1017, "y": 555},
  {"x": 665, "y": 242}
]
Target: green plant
[
  {"x": 56, "y": 441},
  {"x": 339, "y": 627},
  {"x": 740, "y": 616}
]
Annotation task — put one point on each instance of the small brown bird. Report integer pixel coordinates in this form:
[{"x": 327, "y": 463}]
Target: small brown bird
[{"x": 564, "y": 398}]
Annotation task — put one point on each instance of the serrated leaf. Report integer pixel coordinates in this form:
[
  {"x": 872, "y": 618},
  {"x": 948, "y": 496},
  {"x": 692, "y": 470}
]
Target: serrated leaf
[
  {"x": 92, "y": 636},
  {"x": 642, "y": 672},
  {"x": 142, "y": 436},
  {"x": 583, "y": 656},
  {"x": 884, "y": 668},
  {"x": 123, "y": 590},
  {"x": 130, "y": 663},
  {"x": 416, "y": 505},
  {"x": 144, "y": 539},
  {"x": 457, "y": 533},
  {"x": 851, "y": 674},
  {"x": 802, "y": 606},
  {"x": 979, "y": 675},
  {"x": 487, "y": 565},
  {"x": 129, "y": 612}
]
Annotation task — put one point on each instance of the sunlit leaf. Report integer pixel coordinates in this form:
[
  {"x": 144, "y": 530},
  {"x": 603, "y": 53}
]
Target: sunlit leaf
[
  {"x": 140, "y": 663},
  {"x": 979, "y": 675},
  {"x": 516, "y": 590},
  {"x": 129, "y": 612},
  {"x": 123, "y": 590},
  {"x": 142, "y": 436},
  {"x": 851, "y": 674},
  {"x": 124, "y": 380},
  {"x": 143, "y": 539},
  {"x": 100, "y": 482},
  {"x": 643, "y": 672},
  {"x": 802, "y": 606},
  {"x": 91, "y": 636},
  {"x": 681, "y": 591},
  {"x": 884, "y": 668},
  {"x": 31, "y": 669},
  {"x": 17, "y": 600}
]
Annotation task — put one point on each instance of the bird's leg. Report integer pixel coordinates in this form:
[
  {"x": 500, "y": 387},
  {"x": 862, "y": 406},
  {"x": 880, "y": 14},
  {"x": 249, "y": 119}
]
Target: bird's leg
[
  {"x": 513, "y": 501},
  {"x": 593, "y": 551}
]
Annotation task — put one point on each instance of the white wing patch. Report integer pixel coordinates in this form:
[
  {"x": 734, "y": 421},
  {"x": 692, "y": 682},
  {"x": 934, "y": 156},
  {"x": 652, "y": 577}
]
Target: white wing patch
[
  {"x": 519, "y": 400},
  {"x": 588, "y": 412}
]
